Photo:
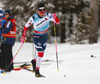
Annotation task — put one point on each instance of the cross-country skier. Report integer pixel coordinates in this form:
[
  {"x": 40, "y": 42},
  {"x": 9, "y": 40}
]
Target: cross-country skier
[{"x": 41, "y": 24}]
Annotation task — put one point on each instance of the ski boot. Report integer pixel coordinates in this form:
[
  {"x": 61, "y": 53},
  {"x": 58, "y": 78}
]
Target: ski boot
[
  {"x": 33, "y": 64},
  {"x": 37, "y": 74}
]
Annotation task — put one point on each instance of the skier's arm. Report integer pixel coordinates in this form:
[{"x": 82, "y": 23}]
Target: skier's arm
[
  {"x": 54, "y": 18},
  {"x": 30, "y": 21}
]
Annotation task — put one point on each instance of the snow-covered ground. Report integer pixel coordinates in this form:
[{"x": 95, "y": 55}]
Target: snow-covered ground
[{"x": 76, "y": 66}]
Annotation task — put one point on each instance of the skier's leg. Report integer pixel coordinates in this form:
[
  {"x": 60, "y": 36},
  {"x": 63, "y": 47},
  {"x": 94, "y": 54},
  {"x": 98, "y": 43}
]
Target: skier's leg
[
  {"x": 40, "y": 44},
  {"x": 39, "y": 59}
]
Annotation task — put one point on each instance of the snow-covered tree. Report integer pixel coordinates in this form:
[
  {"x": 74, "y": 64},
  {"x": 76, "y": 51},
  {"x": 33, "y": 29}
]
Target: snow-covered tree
[
  {"x": 82, "y": 28},
  {"x": 65, "y": 8},
  {"x": 23, "y": 10},
  {"x": 74, "y": 21},
  {"x": 86, "y": 28}
]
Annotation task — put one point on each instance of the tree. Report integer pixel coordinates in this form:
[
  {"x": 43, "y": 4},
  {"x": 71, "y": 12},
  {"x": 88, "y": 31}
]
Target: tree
[
  {"x": 93, "y": 38},
  {"x": 86, "y": 29},
  {"x": 79, "y": 28},
  {"x": 23, "y": 10}
]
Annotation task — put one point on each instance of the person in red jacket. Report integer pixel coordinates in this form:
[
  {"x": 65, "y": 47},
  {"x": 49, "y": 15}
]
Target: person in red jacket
[
  {"x": 41, "y": 25},
  {"x": 8, "y": 41}
]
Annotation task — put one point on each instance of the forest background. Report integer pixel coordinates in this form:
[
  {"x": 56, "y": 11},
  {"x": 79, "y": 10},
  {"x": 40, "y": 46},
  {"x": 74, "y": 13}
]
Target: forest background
[{"x": 79, "y": 19}]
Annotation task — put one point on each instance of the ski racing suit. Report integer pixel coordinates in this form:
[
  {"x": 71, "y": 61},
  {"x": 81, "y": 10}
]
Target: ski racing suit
[{"x": 41, "y": 26}]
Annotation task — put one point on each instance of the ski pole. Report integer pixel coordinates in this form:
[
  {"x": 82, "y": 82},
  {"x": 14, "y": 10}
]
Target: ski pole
[
  {"x": 14, "y": 56},
  {"x": 56, "y": 46}
]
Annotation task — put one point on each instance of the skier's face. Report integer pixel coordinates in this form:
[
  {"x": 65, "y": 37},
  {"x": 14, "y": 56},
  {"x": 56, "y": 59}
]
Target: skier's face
[{"x": 41, "y": 12}]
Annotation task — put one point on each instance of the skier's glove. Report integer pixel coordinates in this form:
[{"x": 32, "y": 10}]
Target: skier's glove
[
  {"x": 22, "y": 39},
  {"x": 56, "y": 19},
  {"x": 54, "y": 15},
  {"x": 24, "y": 35}
]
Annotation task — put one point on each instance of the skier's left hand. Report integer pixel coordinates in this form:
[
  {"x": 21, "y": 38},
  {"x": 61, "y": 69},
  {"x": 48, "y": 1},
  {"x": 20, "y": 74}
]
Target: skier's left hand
[
  {"x": 56, "y": 20},
  {"x": 54, "y": 15}
]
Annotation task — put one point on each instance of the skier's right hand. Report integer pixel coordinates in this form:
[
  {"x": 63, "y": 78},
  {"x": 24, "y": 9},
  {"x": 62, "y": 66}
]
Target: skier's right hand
[
  {"x": 22, "y": 39},
  {"x": 24, "y": 35}
]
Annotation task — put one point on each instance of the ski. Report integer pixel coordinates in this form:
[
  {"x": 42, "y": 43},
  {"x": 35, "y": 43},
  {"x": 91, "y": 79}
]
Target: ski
[
  {"x": 28, "y": 69},
  {"x": 17, "y": 68},
  {"x": 42, "y": 61},
  {"x": 30, "y": 65},
  {"x": 30, "y": 62},
  {"x": 24, "y": 67}
]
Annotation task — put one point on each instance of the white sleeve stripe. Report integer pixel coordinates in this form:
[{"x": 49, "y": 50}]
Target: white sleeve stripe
[
  {"x": 29, "y": 21},
  {"x": 8, "y": 24}
]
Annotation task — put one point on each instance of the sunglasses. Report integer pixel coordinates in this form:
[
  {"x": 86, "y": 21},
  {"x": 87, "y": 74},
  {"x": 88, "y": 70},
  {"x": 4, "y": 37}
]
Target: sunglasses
[
  {"x": 6, "y": 14},
  {"x": 41, "y": 9}
]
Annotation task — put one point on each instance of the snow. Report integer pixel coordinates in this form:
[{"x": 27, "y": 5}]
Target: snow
[
  {"x": 1, "y": 5},
  {"x": 76, "y": 66}
]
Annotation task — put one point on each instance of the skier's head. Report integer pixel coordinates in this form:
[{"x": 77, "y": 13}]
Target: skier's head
[
  {"x": 1, "y": 12},
  {"x": 41, "y": 9},
  {"x": 7, "y": 13},
  {"x": 41, "y": 6}
]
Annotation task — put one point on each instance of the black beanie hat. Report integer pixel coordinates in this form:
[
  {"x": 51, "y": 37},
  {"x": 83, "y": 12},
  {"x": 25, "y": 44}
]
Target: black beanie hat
[
  {"x": 7, "y": 12},
  {"x": 41, "y": 5}
]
